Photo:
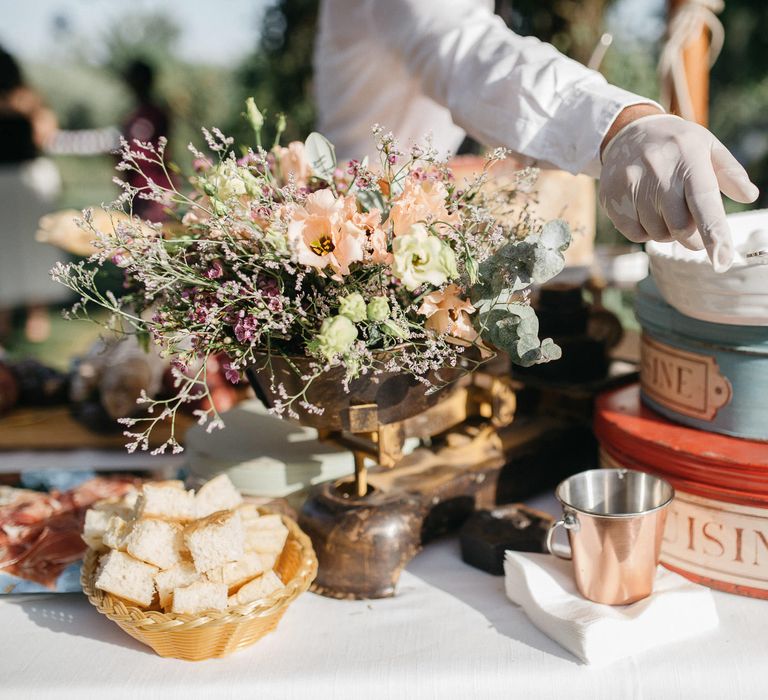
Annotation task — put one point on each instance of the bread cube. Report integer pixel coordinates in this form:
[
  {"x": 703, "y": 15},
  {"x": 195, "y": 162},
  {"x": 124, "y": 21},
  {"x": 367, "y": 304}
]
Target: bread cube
[
  {"x": 94, "y": 526},
  {"x": 156, "y": 542},
  {"x": 167, "y": 501},
  {"x": 257, "y": 589},
  {"x": 215, "y": 540},
  {"x": 97, "y": 518},
  {"x": 217, "y": 494},
  {"x": 198, "y": 597},
  {"x": 170, "y": 483},
  {"x": 128, "y": 578},
  {"x": 236, "y": 573},
  {"x": 116, "y": 532},
  {"x": 266, "y": 534},
  {"x": 177, "y": 576},
  {"x": 269, "y": 559},
  {"x": 248, "y": 512},
  {"x": 128, "y": 502}
]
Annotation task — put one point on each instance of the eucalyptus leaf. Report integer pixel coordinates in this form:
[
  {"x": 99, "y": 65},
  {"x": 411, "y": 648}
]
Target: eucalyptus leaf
[
  {"x": 321, "y": 155},
  {"x": 549, "y": 246},
  {"x": 556, "y": 234},
  {"x": 514, "y": 328}
]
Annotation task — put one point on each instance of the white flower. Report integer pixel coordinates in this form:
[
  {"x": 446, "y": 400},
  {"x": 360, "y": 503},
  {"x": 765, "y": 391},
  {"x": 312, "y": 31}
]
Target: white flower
[
  {"x": 229, "y": 181},
  {"x": 353, "y": 307},
  {"x": 378, "y": 309},
  {"x": 420, "y": 257},
  {"x": 337, "y": 334}
]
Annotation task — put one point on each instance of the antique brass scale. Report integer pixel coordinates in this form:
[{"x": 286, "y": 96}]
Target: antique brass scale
[{"x": 365, "y": 529}]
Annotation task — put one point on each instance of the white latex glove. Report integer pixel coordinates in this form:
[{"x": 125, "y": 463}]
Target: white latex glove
[{"x": 661, "y": 180}]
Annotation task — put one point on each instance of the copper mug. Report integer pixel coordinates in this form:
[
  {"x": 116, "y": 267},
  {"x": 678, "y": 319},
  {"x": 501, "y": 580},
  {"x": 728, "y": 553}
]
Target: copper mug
[{"x": 615, "y": 522}]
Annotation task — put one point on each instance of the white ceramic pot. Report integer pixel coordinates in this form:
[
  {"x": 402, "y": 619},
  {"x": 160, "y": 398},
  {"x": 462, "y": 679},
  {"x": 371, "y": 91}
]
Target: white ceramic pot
[{"x": 739, "y": 296}]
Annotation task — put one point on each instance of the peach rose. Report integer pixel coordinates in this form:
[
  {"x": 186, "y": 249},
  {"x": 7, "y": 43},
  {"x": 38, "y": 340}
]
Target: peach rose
[
  {"x": 420, "y": 202},
  {"x": 292, "y": 160},
  {"x": 369, "y": 223},
  {"x": 321, "y": 234},
  {"x": 448, "y": 313}
]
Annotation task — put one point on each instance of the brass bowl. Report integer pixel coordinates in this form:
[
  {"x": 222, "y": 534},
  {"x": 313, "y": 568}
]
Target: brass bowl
[{"x": 397, "y": 395}]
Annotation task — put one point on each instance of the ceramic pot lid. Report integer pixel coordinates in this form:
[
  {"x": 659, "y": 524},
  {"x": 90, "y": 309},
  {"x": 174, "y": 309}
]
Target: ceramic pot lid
[{"x": 736, "y": 297}]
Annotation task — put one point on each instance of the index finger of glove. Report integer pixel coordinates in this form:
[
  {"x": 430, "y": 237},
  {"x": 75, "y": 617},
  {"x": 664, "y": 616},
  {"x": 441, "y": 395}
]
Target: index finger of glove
[{"x": 702, "y": 193}]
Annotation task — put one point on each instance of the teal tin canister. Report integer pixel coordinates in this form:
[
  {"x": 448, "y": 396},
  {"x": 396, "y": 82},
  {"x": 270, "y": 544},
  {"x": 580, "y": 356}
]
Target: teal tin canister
[{"x": 707, "y": 375}]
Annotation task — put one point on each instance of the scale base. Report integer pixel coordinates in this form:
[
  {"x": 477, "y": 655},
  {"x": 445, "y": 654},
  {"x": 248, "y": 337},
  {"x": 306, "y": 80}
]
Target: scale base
[{"x": 363, "y": 543}]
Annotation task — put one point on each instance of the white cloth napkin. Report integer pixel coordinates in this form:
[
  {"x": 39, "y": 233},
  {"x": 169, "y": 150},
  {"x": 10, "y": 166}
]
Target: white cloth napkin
[{"x": 600, "y": 634}]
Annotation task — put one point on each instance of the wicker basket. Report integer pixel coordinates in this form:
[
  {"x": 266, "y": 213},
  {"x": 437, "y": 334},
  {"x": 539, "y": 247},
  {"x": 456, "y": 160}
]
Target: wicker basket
[{"x": 215, "y": 634}]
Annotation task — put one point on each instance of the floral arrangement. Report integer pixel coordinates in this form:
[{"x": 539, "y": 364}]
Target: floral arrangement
[{"x": 282, "y": 251}]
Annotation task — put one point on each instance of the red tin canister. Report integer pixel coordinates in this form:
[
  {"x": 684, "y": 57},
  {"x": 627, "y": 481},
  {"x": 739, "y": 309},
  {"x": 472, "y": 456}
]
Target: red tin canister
[{"x": 717, "y": 527}]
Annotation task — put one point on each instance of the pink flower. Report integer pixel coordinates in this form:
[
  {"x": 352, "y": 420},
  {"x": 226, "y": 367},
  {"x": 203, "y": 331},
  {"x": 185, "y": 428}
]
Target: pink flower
[
  {"x": 231, "y": 374},
  {"x": 321, "y": 235},
  {"x": 369, "y": 224},
  {"x": 293, "y": 161},
  {"x": 447, "y": 313},
  {"x": 214, "y": 271},
  {"x": 247, "y": 329},
  {"x": 420, "y": 202}
]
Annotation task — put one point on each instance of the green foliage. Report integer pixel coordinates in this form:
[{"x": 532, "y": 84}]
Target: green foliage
[
  {"x": 509, "y": 324},
  {"x": 514, "y": 328},
  {"x": 739, "y": 89},
  {"x": 151, "y": 36},
  {"x": 573, "y": 26},
  {"x": 279, "y": 72},
  {"x": 519, "y": 264}
]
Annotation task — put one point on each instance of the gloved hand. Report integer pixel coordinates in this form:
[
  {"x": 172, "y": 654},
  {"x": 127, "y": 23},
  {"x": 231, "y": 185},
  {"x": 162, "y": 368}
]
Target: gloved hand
[{"x": 661, "y": 180}]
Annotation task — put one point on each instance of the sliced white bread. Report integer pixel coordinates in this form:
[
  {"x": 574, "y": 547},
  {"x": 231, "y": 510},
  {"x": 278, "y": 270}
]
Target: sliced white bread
[
  {"x": 128, "y": 502},
  {"x": 128, "y": 578},
  {"x": 235, "y": 573},
  {"x": 118, "y": 506},
  {"x": 177, "y": 576},
  {"x": 266, "y": 534},
  {"x": 170, "y": 483},
  {"x": 157, "y": 542},
  {"x": 269, "y": 559},
  {"x": 215, "y": 540},
  {"x": 94, "y": 526},
  {"x": 198, "y": 597},
  {"x": 259, "y": 588},
  {"x": 98, "y": 516},
  {"x": 217, "y": 494},
  {"x": 167, "y": 501},
  {"x": 116, "y": 532},
  {"x": 248, "y": 512}
]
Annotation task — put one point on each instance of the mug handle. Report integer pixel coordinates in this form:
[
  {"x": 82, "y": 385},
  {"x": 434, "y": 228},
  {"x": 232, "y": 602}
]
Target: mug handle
[{"x": 569, "y": 521}]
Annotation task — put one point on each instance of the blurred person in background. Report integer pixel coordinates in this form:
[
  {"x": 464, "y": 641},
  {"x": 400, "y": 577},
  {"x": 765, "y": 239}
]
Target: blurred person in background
[
  {"x": 453, "y": 68},
  {"x": 148, "y": 122},
  {"x": 29, "y": 185}
]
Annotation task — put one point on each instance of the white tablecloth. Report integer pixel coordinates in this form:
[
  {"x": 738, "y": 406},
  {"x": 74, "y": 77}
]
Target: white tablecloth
[{"x": 450, "y": 633}]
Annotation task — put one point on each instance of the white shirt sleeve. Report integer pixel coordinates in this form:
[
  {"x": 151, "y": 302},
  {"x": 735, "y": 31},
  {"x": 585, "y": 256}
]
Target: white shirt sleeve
[{"x": 501, "y": 88}]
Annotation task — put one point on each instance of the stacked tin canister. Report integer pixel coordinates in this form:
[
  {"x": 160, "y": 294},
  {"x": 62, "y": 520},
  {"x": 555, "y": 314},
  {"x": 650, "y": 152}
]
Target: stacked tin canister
[{"x": 699, "y": 415}]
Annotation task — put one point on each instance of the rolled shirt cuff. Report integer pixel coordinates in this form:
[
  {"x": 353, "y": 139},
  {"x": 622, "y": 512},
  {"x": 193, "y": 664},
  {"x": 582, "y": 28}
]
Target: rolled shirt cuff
[{"x": 589, "y": 107}]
